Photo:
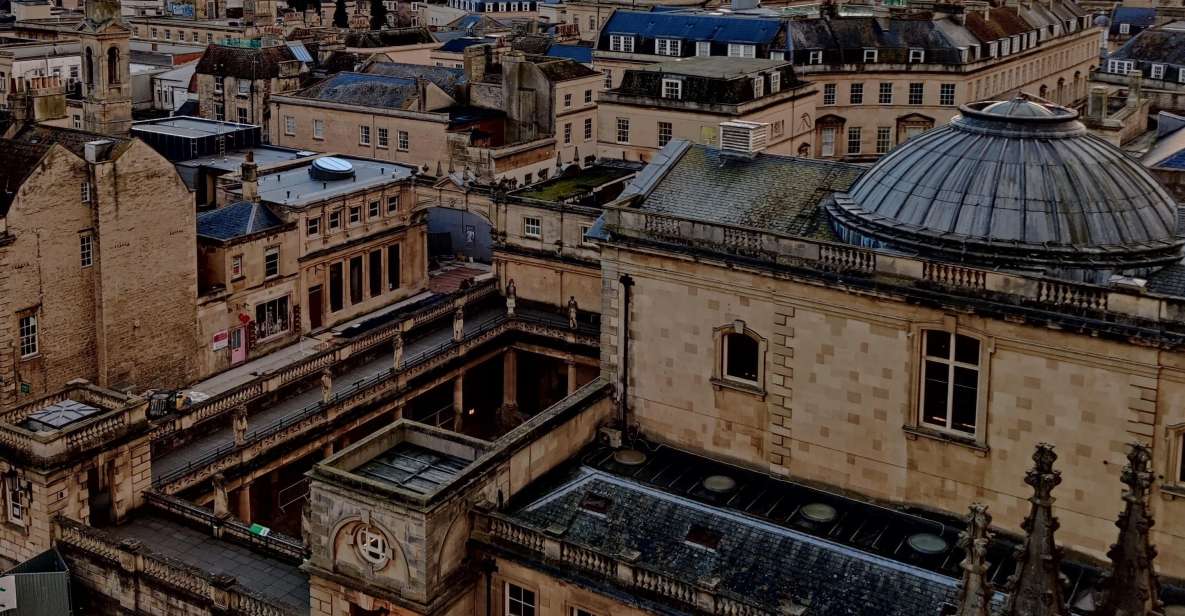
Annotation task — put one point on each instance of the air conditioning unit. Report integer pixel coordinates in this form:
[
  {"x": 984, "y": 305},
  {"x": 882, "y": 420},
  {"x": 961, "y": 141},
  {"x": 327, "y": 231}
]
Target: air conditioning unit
[{"x": 744, "y": 139}]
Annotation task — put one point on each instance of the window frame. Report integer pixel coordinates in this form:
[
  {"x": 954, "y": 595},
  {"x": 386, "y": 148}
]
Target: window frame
[
  {"x": 884, "y": 95},
  {"x": 855, "y": 136},
  {"x": 917, "y": 55},
  {"x": 742, "y": 50},
  {"x": 363, "y": 135},
  {"x": 284, "y": 300},
  {"x": 392, "y": 204},
  {"x": 856, "y": 93},
  {"x": 271, "y": 262},
  {"x": 532, "y": 222},
  {"x": 28, "y": 334},
  {"x": 621, "y": 43},
  {"x": 916, "y": 94},
  {"x": 86, "y": 249},
  {"x": 532, "y": 606},
  {"x": 917, "y": 423},
  {"x": 403, "y": 140},
  {"x": 335, "y": 220},
  {"x": 318, "y": 129},
  {"x": 665, "y": 130},
  {"x": 703, "y": 49},
  {"x": 829, "y": 93},
  {"x": 870, "y": 56},
  {"x": 720, "y": 376},
  {"x": 946, "y": 94},
  {"x": 672, "y": 88},
  {"x": 884, "y": 139},
  {"x": 290, "y": 125},
  {"x": 312, "y": 226},
  {"x": 384, "y": 138},
  {"x": 623, "y": 130},
  {"x": 1157, "y": 71}
]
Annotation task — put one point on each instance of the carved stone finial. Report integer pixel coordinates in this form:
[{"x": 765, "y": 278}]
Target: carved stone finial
[
  {"x": 1035, "y": 588},
  {"x": 975, "y": 592},
  {"x": 1132, "y": 589}
]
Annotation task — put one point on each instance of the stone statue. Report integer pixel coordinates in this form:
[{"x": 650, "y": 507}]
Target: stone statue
[
  {"x": 511, "y": 298},
  {"x": 326, "y": 385},
  {"x": 398, "y": 354},
  {"x": 458, "y": 324},
  {"x": 572, "y": 312}
]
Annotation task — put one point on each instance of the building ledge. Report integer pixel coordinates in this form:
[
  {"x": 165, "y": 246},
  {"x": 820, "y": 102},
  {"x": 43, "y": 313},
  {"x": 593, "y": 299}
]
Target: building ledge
[{"x": 913, "y": 432}]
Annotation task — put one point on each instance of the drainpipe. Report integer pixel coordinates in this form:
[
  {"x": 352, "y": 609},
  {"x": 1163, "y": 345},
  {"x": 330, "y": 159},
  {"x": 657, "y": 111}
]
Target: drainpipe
[{"x": 627, "y": 284}]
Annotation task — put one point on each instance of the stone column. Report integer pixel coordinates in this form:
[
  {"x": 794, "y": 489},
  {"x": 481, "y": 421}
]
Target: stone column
[
  {"x": 458, "y": 401},
  {"x": 326, "y": 385},
  {"x": 571, "y": 375},
  {"x": 240, "y": 425},
  {"x": 221, "y": 506},
  {"x": 244, "y": 504},
  {"x": 508, "y": 414},
  {"x": 327, "y": 450}
]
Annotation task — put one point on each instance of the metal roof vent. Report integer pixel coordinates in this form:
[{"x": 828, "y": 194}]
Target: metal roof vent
[
  {"x": 743, "y": 139},
  {"x": 331, "y": 168},
  {"x": 719, "y": 484},
  {"x": 820, "y": 513},
  {"x": 927, "y": 543},
  {"x": 629, "y": 457}
]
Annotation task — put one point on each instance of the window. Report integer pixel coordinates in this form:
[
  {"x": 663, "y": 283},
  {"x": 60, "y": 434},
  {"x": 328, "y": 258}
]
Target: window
[
  {"x": 885, "y": 95},
  {"x": 778, "y": 128},
  {"x": 219, "y": 112},
  {"x": 588, "y": 129},
  {"x": 336, "y": 299},
  {"x": 374, "y": 210},
  {"x": 355, "y": 214},
  {"x": 829, "y": 94},
  {"x": 313, "y": 226},
  {"x": 271, "y": 317},
  {"x": 567, "y": 100},
  {"x": 218, "y": 84},
  {"x": 86, "y": 249},
  {"x": 916, "y": 91},
  {"x": 1181, "y": 75},
  {"x": 853, "y": 140},
  {"x": 884, "y": 139},
  {"x": 741, "y": 357},
  {"x": 242, "y": 115},
  {"x": 777, "y": 55},
  {"x": 392, "y": 204},
  {"x": 815, "y": 57},
  {"x": 1121, "y": 67},
  {"x": 356, "y": 279},
  {"x": 917, "y": 55},
  {"x": 567, "y": 133},
  {"x": 758, "y": 87},
  {"x": 77, "y": 121},
  {"x": 271, "y": 262},
  {"x": 519, "y": 601},
  {"x": 584, "y": 229},
  {"x": 531, "y": 227},
  {"x": 168, "y": 35},
  {"x": 664, "y": 133},
  {"x": 318, "y": 129},
  {"x": 289, "y": 125},
  {"x": 404, "y": 140},
  {"x": 588, "y": 97},
  {"x": 28, "y": 335},
  {"x": 374, "y": 273},
  {"x": 618, "y": 42},
  {"x": 16, "y": 500},
  {"x": 672, "y": 88},
  {"x": 1158, "y": 71},
  {"x": 154, "y": 33},
  {"x": 236, "y": 266},
  {"x": 950, "y": 381},
  {"x": 85, "y": 190},
  {"x": 1125, "y": 28},
  {"x": 736, "y": 50},
  {"x": 703, "y": 48},
  {"x": 608, "y": 79},
  {"x": 667, "y": 47},
  {"x": 335, "y": 220},
  {"x": 577, "y": 611},
  {"x": 946, "y": 94},
  {"x": 364, "y": 135},
  {"x": 827, "y": 141},
  {"x": 393, "y": 269},
  {"x": 869, "y": 55},
  {"x": 856, "y": 94},
  {"x": 775, "y": 82},
  {"x": 209, "y": 37},
  {"x": 623, "y": 130},
  {"x": 244, "y": 87}
]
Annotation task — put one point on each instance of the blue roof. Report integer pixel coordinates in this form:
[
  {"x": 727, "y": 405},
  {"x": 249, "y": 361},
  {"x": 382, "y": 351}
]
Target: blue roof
[
  {"x": 579, "y": 53},
  {"x": 458, "y": 45},
  {"x": 1176, "y": 161},
  {"x": 236, "y": 220},
  {"x": 299, "y": 50},
  {"x": 693, "y": 27},
  {"x": 1133, "y": 15}
]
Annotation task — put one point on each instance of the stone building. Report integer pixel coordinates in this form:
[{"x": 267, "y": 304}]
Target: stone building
[
  {"x": 1153, "y": 62},
  {"x": 301, "y": 246},
  {"x": 235, "y": 83},
  {"x": 881, "y": 78},
  {"x": 688, "y": 99},
  {"x": 106, "y": 80},
  {"x": 211, "y": 29},
  {"x": 82, "y": 216}
]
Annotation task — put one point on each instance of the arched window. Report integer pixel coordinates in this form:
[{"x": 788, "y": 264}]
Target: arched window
[
  {"x": 88, "y": 68},
  {"x": 112, "y": 66},
  {"x": 740, "y": 358}
]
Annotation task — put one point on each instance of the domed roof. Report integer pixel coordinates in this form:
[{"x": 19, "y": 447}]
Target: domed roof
[{"x": 1017, "y": 183}]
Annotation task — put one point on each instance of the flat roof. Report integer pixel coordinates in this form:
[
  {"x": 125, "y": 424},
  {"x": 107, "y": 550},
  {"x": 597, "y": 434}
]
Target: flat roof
[
  {"x": 233, "y": 159},
  {"x": 715, "y": 66},
  {"x": 296, "y": 187},
  {"x": 186, "y": 126},
  {"x": 414, "y": 468}
]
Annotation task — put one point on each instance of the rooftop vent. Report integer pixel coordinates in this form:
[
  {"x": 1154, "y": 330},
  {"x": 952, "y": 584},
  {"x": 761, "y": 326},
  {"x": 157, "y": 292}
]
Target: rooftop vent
[
  {"x": 97, "y": 151},
  {"x": 927, "y": 543},
  {"x": 719, "y": 484},
  {"x": 820, "y": 513},
  {"x": 629, "y": 457},
  {"x": 331, "y": 168},
  {"x": 743, "y": 139}
]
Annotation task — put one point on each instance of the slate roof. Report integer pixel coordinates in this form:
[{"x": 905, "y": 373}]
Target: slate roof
[
  {"x": 1154, "y": 45},
  {"x": 389, "y": 38},
  {"x": 759, "y": 562},
  {"x": 579, "y": 53},
  {"x": 244, "y": 62},
  {"x": 451, "y": 80},
  {"x": 459, "y": 45},
  {"x": 237, "y": 220},
  {"x": 531, "y": 43},
  {"x": 1137, "y": 17},
  {"x": 17, "y": 161},
  {"x": 558, "y": 69},
  {"x": 1001, "y": 22},
  {"x": 70, "y": 138},
  {"x": 696, "y": 27},
  {"x": 477, "y": 23},
  {"x": 695, "y": 182}
]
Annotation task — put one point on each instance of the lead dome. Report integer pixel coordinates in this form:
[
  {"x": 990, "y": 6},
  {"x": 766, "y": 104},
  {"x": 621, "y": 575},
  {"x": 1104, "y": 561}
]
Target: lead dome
[{"x": 1018, "y": 184}]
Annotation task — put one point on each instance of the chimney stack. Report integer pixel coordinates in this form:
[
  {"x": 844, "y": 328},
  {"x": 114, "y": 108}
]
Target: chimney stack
[
  {"x": 1096, "y": 106},
  {"x": 250, "y": 174}
]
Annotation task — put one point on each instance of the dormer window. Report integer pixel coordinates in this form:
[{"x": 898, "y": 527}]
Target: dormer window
[
  {"x": 869, "y": 56},
  {"x": 775, "y": 82},
  {"x": 917, "y": 55},
  {"x": 672, "y": 88},
  {"x": 703, "y": 537},
  {"x": 1158, "y": 71},
  {"x": 736, "y": 50},
  {"x": 703, "y": 49},
  {"x": 621, "y": 42},
  {"x": 595, "y": 504},
  {"x": 667, "y": 47},
  {"x": 758, "y": 87},
  {"x": 815, "y": 57}
]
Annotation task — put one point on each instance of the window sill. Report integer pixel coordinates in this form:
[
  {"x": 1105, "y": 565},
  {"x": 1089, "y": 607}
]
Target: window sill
[
  {"x": 913, "y": 432},
  {"x": 33, "y": 357},
  {"x": 1172, "y": 491},
  {"x": 751, "y": 389}
]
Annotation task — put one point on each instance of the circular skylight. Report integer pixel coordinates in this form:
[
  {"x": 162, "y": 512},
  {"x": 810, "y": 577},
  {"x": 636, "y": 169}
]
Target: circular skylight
[{"x": 331, "y": 168}]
